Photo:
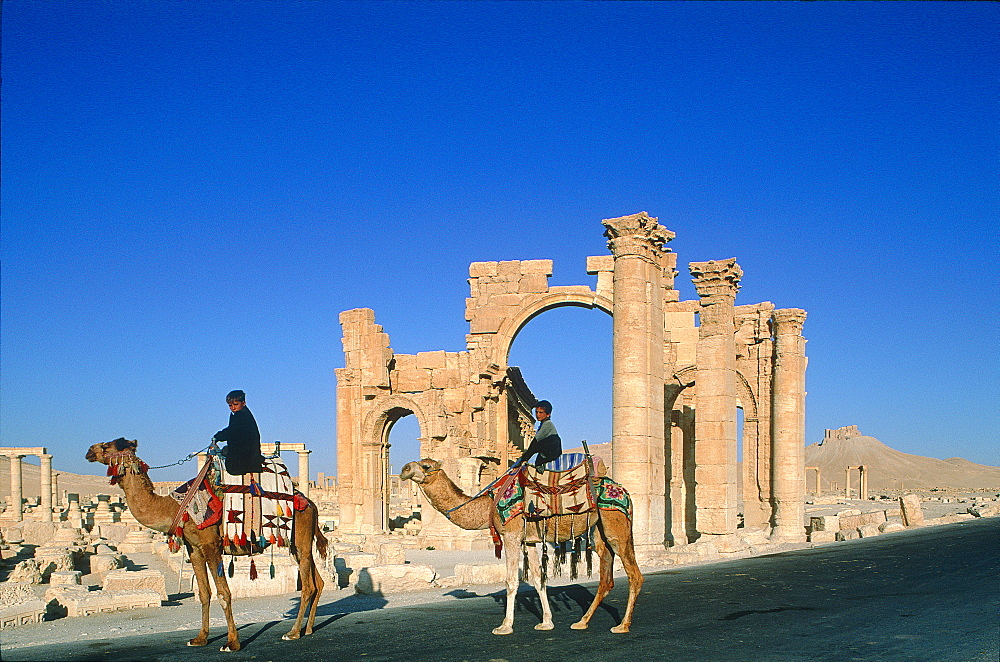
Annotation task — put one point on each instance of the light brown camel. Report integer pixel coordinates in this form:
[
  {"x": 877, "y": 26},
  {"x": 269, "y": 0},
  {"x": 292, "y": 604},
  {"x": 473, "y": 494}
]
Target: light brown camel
[
  {"x": 613, "y": 536},
  {"x": 205, "y": 546}
]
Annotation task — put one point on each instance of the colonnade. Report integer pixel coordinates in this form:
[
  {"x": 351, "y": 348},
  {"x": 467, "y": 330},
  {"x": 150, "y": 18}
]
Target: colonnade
[{"x": 47, "y": 478}]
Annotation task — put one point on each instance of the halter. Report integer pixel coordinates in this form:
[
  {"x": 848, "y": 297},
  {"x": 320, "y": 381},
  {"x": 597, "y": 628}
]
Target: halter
[{"x": 124, "y": 462}]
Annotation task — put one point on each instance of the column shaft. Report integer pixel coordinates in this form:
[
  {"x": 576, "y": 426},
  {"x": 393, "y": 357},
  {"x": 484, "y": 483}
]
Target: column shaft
[
  {"x": 16, "y": 494},
  {"x": 45, "y": 477},
  {"x": 788, "y": 419},
  {"x": 715, "y": 414}
]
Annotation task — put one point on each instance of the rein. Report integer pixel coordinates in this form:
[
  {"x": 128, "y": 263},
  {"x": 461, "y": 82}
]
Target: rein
[{"x": 447, "y": 513}]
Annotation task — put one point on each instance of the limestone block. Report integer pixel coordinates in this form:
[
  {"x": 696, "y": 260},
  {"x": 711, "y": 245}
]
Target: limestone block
[
  {"x": 96, "y": 602},
  {"x": 286, "y": 575},
  {"x": 823, "y": 536},
  {"x": 544, "y": 267},
  {"x": 137, "y": 542},
  {"x": 984, "y": 510},
  {"x": 58, "y": 592},
  {"x": 24, "y": 613},
  {"x": 454, "y": 400},
  {"x": 27, "y": 571},
  {"x": 861, "y": 519},
  {"x": 432, "y": 360},
  {"x": 485, "y": 324},
  {"x": 101, "y": 563},
  {"x": 132, "y": 580},
  {"x": 15, "y": 593},
  {"x": 411, "y": 381},
  {"x": 825, "y": 523},
  {"x": 443, "y": 378},
  {"x": 891, "y": 526},
  {"x": 869, "y": 530},
  {"x": 480, "y": 573},
  {"x": 395, "y": 579},
  {"x": 848, "y": 534},
  {"x": 65, "y": 577},
  {"x": 480, "y": 269},
  {"x": 533, "y": 284},
  {"x": 349, "y": 566},
  {"x": 913, "y": 514},
  {"x": 391, "y": 553}
]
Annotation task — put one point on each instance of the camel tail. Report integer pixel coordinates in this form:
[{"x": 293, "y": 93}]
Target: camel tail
[{"x": 321, "y": 542}]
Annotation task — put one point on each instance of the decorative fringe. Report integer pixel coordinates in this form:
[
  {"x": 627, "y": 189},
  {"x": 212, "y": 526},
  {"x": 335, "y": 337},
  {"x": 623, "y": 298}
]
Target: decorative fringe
[
  {"x": 220, "y": 571},
  {"x": 272, "y": 570},
  {"x": 232, "y": 568},
  {"x": 524, "y": 561},
  {"x": 253, "y": 570},
  {"x": 574, "y": 560},
  {"x": 545, "y": 552}
]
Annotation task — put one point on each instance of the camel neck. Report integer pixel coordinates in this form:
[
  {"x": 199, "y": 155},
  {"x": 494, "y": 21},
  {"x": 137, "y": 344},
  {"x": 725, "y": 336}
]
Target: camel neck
[
  {"x": 463, "y": 510},
  {"x": 150, "y": 509}
]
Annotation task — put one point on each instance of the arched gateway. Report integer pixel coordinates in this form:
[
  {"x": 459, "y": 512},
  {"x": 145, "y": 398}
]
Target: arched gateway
[{"x": 680, "y": 371}]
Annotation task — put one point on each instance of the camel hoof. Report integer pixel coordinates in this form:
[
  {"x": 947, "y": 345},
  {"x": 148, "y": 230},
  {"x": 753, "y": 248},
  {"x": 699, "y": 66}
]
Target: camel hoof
[
  {"x": 579, "y": 625},
  {"x": 503, "y": 629},
  {"x": 619, "y": 629},
  {"x": 289, "y": 637},
  {"x": 544, "y": 626},
  {"x": 196, "y": 642}
]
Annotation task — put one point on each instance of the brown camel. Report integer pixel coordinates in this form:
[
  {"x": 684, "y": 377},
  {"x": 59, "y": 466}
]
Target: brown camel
[
  {"x": 205, "y": 546},
  {"x": 613, "y": 536}
]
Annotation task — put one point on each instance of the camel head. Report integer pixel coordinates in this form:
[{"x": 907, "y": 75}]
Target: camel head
[
  {"x": 420, "y": 472},
  {"x": 105, "y": 451}
]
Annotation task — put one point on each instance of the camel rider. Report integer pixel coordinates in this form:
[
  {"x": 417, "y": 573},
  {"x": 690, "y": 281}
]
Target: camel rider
[
  {"x": 242, "y": 453},
  {"x": 546, "y": 443}
]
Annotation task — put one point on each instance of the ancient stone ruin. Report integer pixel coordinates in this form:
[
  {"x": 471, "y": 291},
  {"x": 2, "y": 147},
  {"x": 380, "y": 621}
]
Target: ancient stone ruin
[{"x": 681, "y": 369}]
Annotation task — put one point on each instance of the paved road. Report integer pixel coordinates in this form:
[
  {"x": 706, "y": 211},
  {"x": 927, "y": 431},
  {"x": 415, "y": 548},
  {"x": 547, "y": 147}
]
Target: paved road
[{"x": 930, "y": 595}]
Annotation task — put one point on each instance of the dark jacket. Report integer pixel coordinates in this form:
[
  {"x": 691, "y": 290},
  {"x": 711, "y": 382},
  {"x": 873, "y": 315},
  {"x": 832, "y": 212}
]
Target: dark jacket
[
  {"x": 243, "y": 450},
  {"x": 546, "y": 443}
]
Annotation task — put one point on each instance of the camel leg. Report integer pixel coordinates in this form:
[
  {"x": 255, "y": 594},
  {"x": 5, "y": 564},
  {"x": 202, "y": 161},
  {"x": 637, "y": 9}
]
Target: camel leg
[
  {"x": 204, "y": 593},
  {"x": 607, "y": 581},
  {"x": 535, "y": 572},
  {"x": 626, "y": 550},
  {"x": 512, "y": 552},
  {"x": 213, "y": 555},
  {"x": 312, "y": 586}
]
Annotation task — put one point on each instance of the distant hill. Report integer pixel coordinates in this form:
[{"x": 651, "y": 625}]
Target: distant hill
[
  {"x": 68, "y": 482},
  {"x": 889, "y": 469}
]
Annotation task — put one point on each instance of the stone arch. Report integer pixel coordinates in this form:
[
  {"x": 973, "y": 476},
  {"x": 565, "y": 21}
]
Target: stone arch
[
  {"x": 534, "y": 306},
  {"x": 382, "y": 415}
]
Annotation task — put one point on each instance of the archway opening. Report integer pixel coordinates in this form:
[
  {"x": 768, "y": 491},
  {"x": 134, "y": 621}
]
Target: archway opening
[
  {"x": 402, "y": 436},
  {"x": 565, "y": 356}
]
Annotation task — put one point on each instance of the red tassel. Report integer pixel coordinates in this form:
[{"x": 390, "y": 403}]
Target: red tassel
[
  {"x": 272, "y": 539},
  {"x": 243, "y": 539},
  {"x": 253, "y": 570},
  {"x": 281, "y": 541}
]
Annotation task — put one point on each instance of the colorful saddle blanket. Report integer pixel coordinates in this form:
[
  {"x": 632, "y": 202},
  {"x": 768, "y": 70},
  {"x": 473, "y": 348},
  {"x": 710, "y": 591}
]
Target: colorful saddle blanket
[
  {"x": 254, "y": 511},
  {"x": 551, "y": 493}
]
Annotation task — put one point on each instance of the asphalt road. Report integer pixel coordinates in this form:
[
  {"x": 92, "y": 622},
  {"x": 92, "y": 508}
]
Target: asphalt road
[{"x": 927, "y": 595}]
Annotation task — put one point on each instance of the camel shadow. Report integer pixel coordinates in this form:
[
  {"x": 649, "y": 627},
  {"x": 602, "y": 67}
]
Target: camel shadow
[{"x": 562, "y": 599}]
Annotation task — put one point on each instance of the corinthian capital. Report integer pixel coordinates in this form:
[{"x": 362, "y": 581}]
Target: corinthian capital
[
  {"x": 789, "y": 321},
  {"x": 638, "y": 234},
  {"x": 716, "y": 280}
]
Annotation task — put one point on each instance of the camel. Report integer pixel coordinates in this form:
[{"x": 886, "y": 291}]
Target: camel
[
  {"x": 613, "y": 536},
  {"x": 205, "y": 546}
]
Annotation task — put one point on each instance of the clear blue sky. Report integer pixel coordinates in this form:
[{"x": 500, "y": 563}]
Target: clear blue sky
[{"x": 193, "y": 191}]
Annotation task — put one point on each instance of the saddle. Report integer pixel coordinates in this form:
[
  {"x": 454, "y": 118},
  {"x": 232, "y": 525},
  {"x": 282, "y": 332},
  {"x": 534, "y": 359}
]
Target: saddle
[
  {"x": 254, "y": 511},
  {"x": 561, "y": 488}
]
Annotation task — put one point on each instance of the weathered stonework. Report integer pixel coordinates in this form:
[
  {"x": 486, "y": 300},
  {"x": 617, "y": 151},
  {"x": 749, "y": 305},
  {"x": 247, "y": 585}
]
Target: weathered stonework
[{"x": 681, "y": 369}]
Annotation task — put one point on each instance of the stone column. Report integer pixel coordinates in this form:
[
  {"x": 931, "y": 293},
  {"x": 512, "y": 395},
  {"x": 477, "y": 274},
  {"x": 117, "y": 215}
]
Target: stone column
[
  {"x": 16, "y": 493},
  {"x": 788, "y": 421},
  {"x": 57, "y": 501},
  {"x": 637, "y": 422},
  {"x": 45, "y": 477},
  {"x": 304, "y": 471},
  {"x": 864, "y": 483},
  {"x": 715, "y": 429}
]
